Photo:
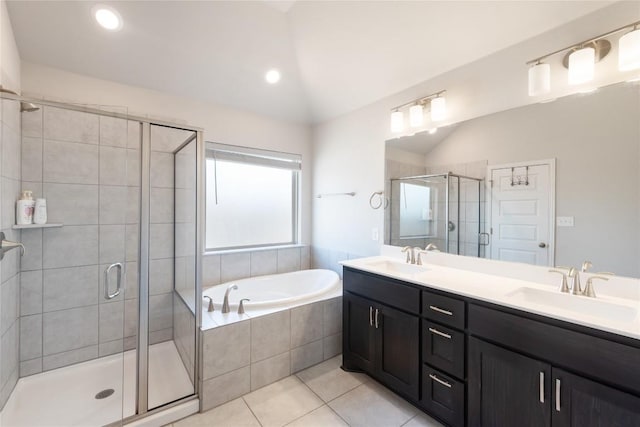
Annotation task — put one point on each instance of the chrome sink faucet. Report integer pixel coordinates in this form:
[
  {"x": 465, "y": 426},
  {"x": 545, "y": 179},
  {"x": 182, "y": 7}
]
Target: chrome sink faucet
[
  {"x": 576, "y": 288},
  {"x": 225, "y": 304},
  {"x": 410, "y": 255},
  {"x": 564, "y": 287}
]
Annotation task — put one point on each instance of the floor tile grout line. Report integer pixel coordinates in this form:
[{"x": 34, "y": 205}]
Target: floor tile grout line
[{"x": 250, "y": 410}]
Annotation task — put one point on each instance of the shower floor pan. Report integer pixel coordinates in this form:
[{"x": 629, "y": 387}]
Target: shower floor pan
[{"x": 67, "y": 396}]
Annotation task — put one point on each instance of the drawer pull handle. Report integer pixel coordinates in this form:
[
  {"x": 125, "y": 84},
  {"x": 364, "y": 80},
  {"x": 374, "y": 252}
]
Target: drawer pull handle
[
  {"x": 541, "y": 387},
  {"x": 441, "y": 310},
  {"x": 376, "y": 318},
  {"x": 370, "y": 316},
  {"x": 444, "y": 383},
  {"x": 557, "y": 395},
  {"x": 437, "y": 332}
]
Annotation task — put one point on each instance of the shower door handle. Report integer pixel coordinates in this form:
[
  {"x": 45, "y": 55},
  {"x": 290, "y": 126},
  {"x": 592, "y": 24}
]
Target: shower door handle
[{"x": 107, "y": 295}]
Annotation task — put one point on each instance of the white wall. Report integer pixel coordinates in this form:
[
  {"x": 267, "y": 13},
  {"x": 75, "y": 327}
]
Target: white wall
[
  {"x": 9, "y": 56},
  {"x": 221, "y": 124},
  {"x": 348, "y": 152}
]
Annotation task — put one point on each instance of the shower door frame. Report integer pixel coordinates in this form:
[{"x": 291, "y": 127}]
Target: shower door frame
[{"x": 143, "y": 244}]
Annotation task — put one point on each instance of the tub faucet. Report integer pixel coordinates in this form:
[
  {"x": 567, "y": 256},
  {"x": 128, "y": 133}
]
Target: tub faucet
[
  {"x": 210, "y": 309},
  {"x": 225, "y": 304}
]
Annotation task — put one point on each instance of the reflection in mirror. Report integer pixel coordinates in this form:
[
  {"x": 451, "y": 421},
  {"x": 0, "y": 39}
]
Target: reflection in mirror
[
  {"x": 589, "y": 195},
  {"x": 443, "y": 210}
]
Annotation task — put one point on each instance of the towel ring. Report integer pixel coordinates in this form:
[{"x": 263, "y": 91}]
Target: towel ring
[{"x": 381, "y": 200}]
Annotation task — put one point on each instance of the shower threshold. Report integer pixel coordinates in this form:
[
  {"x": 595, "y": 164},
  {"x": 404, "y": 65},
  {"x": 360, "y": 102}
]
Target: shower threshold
[{"x": 67, "y": 396}]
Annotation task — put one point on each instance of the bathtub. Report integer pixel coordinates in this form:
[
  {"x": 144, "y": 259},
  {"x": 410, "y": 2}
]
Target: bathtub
[{"x": 277, "y": 290}]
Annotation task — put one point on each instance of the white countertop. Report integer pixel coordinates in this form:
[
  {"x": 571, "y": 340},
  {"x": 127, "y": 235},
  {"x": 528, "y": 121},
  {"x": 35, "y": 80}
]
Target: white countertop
[{"x": 496, "y": 289}]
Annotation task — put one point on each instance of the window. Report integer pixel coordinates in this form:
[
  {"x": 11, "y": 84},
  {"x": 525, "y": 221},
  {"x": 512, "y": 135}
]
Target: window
[{"x": 251, "y": 197}]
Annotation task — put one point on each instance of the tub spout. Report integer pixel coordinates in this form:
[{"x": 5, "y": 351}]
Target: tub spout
[{"x": 225, "y": 304}]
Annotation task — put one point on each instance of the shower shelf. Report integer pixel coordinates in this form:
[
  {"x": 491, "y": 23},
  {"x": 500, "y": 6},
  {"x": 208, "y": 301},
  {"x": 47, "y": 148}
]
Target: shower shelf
[{"x": 28, "y": 226}]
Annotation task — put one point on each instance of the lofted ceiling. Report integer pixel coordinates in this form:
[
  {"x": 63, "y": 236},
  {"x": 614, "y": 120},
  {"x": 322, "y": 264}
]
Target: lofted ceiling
[{"x": 334, "y": 56}]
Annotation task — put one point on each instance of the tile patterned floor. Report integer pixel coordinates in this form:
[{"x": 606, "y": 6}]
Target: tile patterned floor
[{"x": 323, "y": 396}]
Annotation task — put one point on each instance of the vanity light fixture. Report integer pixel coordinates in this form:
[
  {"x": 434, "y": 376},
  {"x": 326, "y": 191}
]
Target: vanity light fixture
[
  {"x": 629, "y": 50},
  {"x": 397, "y": 121},
  {"x": 416, "y": 116},
  {"x": 580, "y": 59},
  {"x": 438, "y": 111},
  {"x": 539, "y": 79},
  {"x": 582, "y": 63}
]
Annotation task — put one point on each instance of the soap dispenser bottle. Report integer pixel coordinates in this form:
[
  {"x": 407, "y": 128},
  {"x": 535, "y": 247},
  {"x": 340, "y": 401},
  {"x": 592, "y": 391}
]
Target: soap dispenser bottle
[{"x": 24, "y": 208}]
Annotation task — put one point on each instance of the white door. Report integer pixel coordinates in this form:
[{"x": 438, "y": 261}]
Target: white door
[{"x": 521, "y": 213}]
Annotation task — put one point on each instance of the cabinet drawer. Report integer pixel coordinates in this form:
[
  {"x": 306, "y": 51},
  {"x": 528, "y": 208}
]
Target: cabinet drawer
[
  {"x": 443, "y": 348},
  {"x": 443, "y": 396},
  {"x": 384, "y": 290},
  {"x": 445, "y": 310}
]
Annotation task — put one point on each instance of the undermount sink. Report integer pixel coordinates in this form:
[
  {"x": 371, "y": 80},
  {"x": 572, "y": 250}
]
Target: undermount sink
[
  {"x": 397, "y": 267},
  {"x": 593, "y": 307}
]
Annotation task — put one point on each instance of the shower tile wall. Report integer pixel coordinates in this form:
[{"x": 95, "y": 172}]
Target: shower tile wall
[{"x": 10, "y": 135}]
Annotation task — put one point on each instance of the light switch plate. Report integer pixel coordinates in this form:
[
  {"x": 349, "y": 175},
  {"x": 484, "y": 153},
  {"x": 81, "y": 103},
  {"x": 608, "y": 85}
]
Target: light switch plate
[
  {"x": 564, "y": 221},
  {"x": 374, "y": 234}
]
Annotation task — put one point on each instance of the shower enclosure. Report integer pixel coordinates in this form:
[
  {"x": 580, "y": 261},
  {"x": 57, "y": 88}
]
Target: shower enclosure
[
  {"x": 107, "y": 309},
  {"x": 444, "y": 209}
]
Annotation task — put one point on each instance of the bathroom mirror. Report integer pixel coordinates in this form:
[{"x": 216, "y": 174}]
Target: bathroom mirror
[{"x": 560, "y": 184}]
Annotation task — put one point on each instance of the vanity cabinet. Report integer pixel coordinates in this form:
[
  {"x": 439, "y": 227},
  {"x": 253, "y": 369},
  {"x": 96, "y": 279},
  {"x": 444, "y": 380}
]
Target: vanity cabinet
[
  {"x": 379, "y": 339},
  {"x": 469, "y": 362},
  {"x": 508, "y": 388}
]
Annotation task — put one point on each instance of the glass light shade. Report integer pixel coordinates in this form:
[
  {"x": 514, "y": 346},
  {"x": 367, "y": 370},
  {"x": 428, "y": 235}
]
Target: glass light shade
[
  {"x": 438, "y": 109},
  {"x": 539, "y": 79},
  {"x": 416, "y": 116},
  {"x": 397, "y": 122},
  {"x": 629, "y": 51},
  {"x": 582, "y": 65}
]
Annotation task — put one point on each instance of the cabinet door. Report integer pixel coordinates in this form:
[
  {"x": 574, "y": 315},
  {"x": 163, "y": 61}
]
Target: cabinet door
[
  {"x": 359, "y": 333},
  {"x": 397, "y": 350},
  {"x": 579, "y": 402},
  {"x": 506, "y": 388}
]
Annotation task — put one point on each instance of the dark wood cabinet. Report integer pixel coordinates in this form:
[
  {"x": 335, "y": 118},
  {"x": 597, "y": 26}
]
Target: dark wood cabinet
[
  {"x": 358, "y": 333},
  {"x": 397, "y": 350},
  {"x": 579, "y": 402},
  {"x": 506, "y": 388},
  {"x": 381, "y": 341}
]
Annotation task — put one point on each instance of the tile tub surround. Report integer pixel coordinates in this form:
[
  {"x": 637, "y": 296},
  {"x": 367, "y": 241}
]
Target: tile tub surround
[
  {"x": 225, "y": 267},
  {"x": 10, "y": 171},
  {"x": 322, "y": 395},
  {"x": 249, "y": 354}
]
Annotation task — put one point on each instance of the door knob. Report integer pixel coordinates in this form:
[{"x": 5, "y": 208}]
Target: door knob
[{"x": 542, "y": 244}]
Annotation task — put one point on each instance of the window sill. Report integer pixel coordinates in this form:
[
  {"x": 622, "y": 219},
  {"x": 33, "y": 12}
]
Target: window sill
[{"x": 256, "y": 249}]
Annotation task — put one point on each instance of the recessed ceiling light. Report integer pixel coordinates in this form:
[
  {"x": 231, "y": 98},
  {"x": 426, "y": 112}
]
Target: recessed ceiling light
[
  {"x": 107, "y": 17},
  {"x": 272, "y": 76}
]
